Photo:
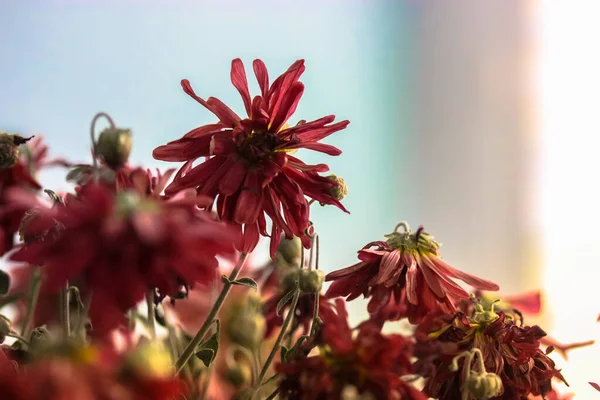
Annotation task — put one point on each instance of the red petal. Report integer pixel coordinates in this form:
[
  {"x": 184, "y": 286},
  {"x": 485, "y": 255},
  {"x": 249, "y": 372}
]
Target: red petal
[
  {"x": 411, "y": 283},
  {"x": 234, "y": 177},
  {"x": 286, "y": 107},
  {"x": 238, "y": 78},
  {"x": 224, "y": 113},
  {"x": 472, "y": 280},
  {"x": 187, "y": 88},
  {"x": 262, "y": 76},
  {"x": 183, "y": 149},
  {"x": 249, "y": 201},
  {"x": 321, "y": 147},
  {"x": 196, "y": 176},
  {"x": 340, "y": 273}
]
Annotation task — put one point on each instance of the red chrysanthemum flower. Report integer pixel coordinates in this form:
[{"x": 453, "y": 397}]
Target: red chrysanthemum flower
[
  {"x": 250, "y": 171},
  {"x": 406, "y": 266},
  {"x": 367, "y": 363},
  {"x": 119, "y": 247},
  {"x": 509, "y": 351}
]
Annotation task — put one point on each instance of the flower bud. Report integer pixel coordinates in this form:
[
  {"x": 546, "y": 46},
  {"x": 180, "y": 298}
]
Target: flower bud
[
  {"x": 239, "y": 375},
  {"x": 39, "y": 337},
  {"x": 311, "y": 281},
  {"x": 247, "y": 329},
  {"x": 340, "y": 190},
  {"x": 4, "y": 328},
  {"x": 9, "y": 149},
  {"x": 484, "y": 386},
  {"x": 114, "y": 146},
  {"x": 290, "y": 250},
  {"x": 288, "y": 282}
]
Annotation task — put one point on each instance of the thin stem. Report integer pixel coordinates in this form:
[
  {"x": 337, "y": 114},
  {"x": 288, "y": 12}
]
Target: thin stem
[
  {"x": 82, "y": 317},
  {"x": 313, "y": 324},
  {"x": 151, "y": 314},
  {"x": 273, "y": 395},
  {"x": 311, "y": 254},
  {"x": 93, "y": 135},
  {"x": 310, "y": 203},
  {"x": 277, "y": 345},
  {"x": 18, "y": 337},
  {"x": 34, "y": 293},
  {"x": 317, "y": 260},
  {"x": 65, "y": 311},
  {"x": 197, "y": 339},
  {"x": 404, "y": 225}
]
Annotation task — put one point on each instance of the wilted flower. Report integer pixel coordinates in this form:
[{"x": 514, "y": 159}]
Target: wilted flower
[
  {"x": 120, "y": 247},
  {"x": 251, "y": 171},
  {"x": 368, "y": 363},
  {"x": 508, "y": 350},
  {"x": 408, "y": 267}
]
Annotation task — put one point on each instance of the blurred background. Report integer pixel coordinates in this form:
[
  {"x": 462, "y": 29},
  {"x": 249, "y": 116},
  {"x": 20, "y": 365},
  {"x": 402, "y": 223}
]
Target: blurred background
[{"x": 477, "y": 120}]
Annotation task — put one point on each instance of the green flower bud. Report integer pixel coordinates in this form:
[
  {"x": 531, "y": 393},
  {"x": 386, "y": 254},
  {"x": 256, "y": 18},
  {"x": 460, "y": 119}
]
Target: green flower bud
[
  {"x": 9, "y": 149},
  {"x": 484, "y": 386},
  {"x": 290, "y": 250},
  {"x": 240, "y": 375},
  {"x": 340, "y": 190},
  {"x": 39, "y": 338},
  {"x": 114, "y": 146},
  {"x": 4, "y": 328},
  {"x": 288, "y": 282},
  {"x": 311, "y": 281},
  {"x": 247, "y": 329}
]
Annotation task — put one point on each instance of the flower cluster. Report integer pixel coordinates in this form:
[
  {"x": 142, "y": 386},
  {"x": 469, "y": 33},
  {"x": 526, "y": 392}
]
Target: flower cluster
[{"x": 142, "y": 284}]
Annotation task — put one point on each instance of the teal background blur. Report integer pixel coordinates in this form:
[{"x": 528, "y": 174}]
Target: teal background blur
[{"x": 63, "y": 62}]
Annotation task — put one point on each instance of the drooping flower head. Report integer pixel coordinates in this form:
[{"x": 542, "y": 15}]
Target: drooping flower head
[
  {"x": 507, "y": 349},
  {"x": 119, "y": 247},
  {"x": 405, "y": 268},
  {"x": 250, "y": 170},
  {"x": 368, "y": 363}
]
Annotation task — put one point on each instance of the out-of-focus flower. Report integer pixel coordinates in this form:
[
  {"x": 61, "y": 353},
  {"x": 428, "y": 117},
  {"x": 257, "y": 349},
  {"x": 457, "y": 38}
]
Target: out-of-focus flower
[
  {"x": 509, "y": 351},
  {"x": 250, "y": 171},
  {"x": 19, "y": 174},
  {"x": 87, "y": 374},
  {"x": 366, "y": 364},
  {"x": 120, "y": 247},
  {"x": 408, "y": 268}
]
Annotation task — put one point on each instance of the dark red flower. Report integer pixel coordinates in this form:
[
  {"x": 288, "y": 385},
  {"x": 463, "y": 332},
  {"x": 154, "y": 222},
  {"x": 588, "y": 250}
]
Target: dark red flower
[
  {"x": 250, "y": 171},
  {"x": 120, "y": 246},
  {"x": 368, "y": 363},
  {"x": 509, "y": 351},
  {"x": 17, "y": 176},
  {"x": 407, "y": 268}
]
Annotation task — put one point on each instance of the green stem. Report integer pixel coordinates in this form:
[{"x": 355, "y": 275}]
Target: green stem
[
  {"x": 197, "y": 339},
  {"x": 277, "y": 345},
  {"x": 34, "y": 293},
  {"x": 65, "y": 311},
  {"x": 18, "y": 337},
  {"x": 313, "y": 324},
  {"x": 151, "y": 315},
  {"x": 273, "y": 395}
]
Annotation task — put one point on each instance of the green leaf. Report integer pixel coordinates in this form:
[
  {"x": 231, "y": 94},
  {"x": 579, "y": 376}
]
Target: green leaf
[
  {"x": 251, "y": 283},
  {"x": 285, "y": 299},
  {"x": 291, "y": 353},
  {"x": 225, "y": 279},
  {"x": 283, "y": 352},
  {"x": 4, "y": 283},
  {"x": 207, "y": 351}
]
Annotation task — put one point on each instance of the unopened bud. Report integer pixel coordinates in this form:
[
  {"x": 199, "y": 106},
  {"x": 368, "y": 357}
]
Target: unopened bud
[
  {"x": 9, "y": 149},
  {"x": 247, "y": 329},
  {"x": 311, "y": 281},
  {"x": 114, "y": 146},
  {"x": 239, "y": 375},
  {"x": 4, "y": 328},
  {"x": 39, "y": 337},
  {"x": 150, "y": 359},
  {"x": 288, "y": 282},
  {"x": 484, "y": 386},
  {"x": 290, "y": 250},
  {"x": 340, "y": 190}
]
